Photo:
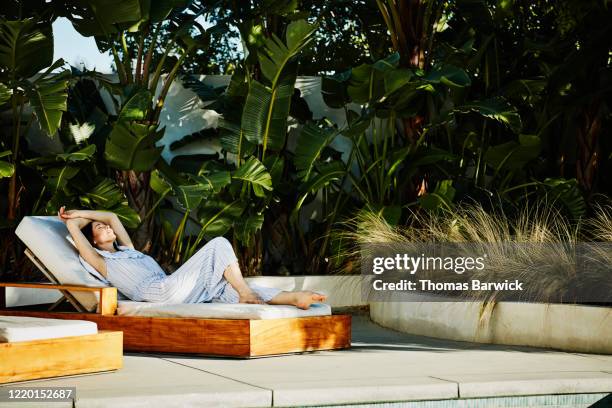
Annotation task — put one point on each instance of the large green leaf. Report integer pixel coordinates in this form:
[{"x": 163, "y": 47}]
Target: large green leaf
[
  {"x": 367, "y": 81},
  {"x": 360, "y": 88},
  {"x": 136, "y": 106},
  {"x": 246, "y": 227},
  {"x": 131, "y": 146},
  {"x": 449, "y": 75},
  {"x": 326, "y": 173},
  {"x": 514, "y": 155},
  {"x": 26, "y": 46},
  {"x": 83, "y": 154},
  {"x": 255, "y": 173},
  {"x": 264, "y": 119},
  {"x": 5, "y": 94},
  {"x": 441, "y": 197},
  {"x": 567, "y": 192},
  {"x": 159, "y": 184},
  {"x": 334, "y": 89},
  {"x": 232, "y": 139},
  {"x": 190, "y": 195},
  {"x": 103, "y": 17},
  {"x": 128, "y": 216},
  {"x": 6, "y": 168},
  {"x": 218, "y": 216},
  {"x": 105, "y": 194},
  {"x": 497, "y": 109},
  {"x": 310, "y": 143},
  {"x": 160, "y": 9},
  {"x": 275, "y": 55},
  {"x": 57, "y": 177},
  {"x": 213, "y": 180},
  {"x": 48, "y": 97}
]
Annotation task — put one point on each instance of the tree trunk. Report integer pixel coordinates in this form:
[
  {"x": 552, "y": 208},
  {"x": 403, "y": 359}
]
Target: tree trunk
[
  {"x": 136, "y": 187},
  {"x": 587, "y": 136}
]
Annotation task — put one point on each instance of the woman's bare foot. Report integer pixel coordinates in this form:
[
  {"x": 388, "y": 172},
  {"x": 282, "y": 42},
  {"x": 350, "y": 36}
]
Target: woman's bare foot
[
  {"x": 250, "y": 297},
  {"x": 304, "y": 298}
]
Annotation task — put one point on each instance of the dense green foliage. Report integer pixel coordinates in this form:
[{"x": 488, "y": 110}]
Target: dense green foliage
[{"x": 503, "y": 102}]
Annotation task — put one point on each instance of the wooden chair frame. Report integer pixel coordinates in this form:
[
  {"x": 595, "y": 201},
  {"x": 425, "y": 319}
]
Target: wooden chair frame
[
  {"x": 242, "y": 338},
  {"x": 61, "y": 356}
]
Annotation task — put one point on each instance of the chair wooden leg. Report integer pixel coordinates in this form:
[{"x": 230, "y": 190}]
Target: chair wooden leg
[
  {"x": 73, "y": 301},
  {"x": 57, "y": 303}
]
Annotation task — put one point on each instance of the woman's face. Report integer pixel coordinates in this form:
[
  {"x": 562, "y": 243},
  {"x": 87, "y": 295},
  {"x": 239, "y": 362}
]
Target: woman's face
[{"x": 102, "y": 233}]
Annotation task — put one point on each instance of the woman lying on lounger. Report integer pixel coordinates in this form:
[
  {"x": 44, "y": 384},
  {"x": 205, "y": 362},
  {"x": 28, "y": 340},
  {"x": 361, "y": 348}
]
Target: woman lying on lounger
[{"x": 210, "y": 275}]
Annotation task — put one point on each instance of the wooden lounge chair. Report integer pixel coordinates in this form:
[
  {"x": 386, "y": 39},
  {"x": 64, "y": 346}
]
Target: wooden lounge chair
[
  {"x": 208, "y": 328},
  {"x": 33, "y": 348}
]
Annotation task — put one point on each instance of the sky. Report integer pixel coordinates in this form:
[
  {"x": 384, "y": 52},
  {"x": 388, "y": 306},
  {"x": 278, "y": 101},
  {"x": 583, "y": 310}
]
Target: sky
[
  {"x": 76, "y": 50},
  {"x": 80, "y": 51}
]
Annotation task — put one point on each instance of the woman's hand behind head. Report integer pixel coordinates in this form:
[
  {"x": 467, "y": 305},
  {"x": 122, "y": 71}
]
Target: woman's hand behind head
[{"x": 66, "y": 215}]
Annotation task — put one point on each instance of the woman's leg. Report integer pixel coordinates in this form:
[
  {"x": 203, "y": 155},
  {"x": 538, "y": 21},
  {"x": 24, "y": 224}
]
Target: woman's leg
[
  {"x": 299, "y": 298},
  {"x": 241, "y": 292},
  {"x": 245, "y": 294}
]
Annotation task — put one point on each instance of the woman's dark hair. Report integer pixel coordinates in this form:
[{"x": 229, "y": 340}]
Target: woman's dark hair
[{"x": 87, "y": 230}]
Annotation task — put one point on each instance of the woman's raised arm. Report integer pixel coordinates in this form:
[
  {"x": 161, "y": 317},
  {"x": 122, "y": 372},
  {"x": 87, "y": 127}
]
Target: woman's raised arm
[
  {"x": 85, "y": 249},
  {"x": 106, "y": 217}
]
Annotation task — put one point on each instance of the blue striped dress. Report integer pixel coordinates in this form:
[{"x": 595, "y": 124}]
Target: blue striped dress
[{"x": 200, "y": 279}]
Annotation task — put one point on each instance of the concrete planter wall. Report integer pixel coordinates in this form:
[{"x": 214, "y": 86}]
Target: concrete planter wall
[{"x": 564, "y": 327}]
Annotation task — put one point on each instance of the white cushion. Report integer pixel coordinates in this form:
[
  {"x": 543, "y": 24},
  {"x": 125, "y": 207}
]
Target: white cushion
[
  {"x": 23, "y": 328},
  {"x": 45, "y": 236},
  {"x": 216, "y": 310}
]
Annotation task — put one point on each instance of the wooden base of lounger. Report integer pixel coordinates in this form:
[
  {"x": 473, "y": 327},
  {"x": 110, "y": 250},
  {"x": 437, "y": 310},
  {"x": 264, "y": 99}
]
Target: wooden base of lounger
[
  {"x": 218, "y": 337},
  {"x": 36, "y": 359}
]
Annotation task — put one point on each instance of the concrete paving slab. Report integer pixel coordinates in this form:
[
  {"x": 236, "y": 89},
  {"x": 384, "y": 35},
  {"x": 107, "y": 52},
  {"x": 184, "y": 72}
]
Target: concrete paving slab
[
  {"x": 384, "y": 365},
  {"x": 544, "y": 383},
  {"x": 147, "y": 381},
  {"x": 361, "y": 390}
]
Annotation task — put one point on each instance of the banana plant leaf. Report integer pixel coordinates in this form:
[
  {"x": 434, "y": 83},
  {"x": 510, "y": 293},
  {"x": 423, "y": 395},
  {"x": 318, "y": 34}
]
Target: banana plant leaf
[
  {"x": 218, "y": 216},
  {"x": 326, "y": 173},
  {"x": 310, "y": 143},
  {"x": 497, "y": 109},
  {"x": 85, "y": 153},
  {"x": 264, "y": 119},
  {"x": 6, "y": 168},
  {"x": 449, "y": 75},
  {"x": 131, "y": 146},
  {"x": 275, "y": 55},
  {"x": 5, "y": 94},
  {"x": 215, "y": 180},
  {"x": 103, "y": 17},
  {"x": 512, "y": 156},
  {"x": 48, "y": 96},
  {"x": 105, "y": 194},
  {"x": 441, "y": 197},
  {"x": 191, "y": 195},
  {"x": 245, "y": 228},
  {"x": 136, "y": 105},
  {"x": 567, "y": 192},
  {"x": 26, "y": 46},
  {"x": 159, "y": 184},
  {"x": 256, "y": 175}
]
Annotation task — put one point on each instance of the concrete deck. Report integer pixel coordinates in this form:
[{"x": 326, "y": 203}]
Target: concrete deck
[{"x": 382, "y": 366}]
